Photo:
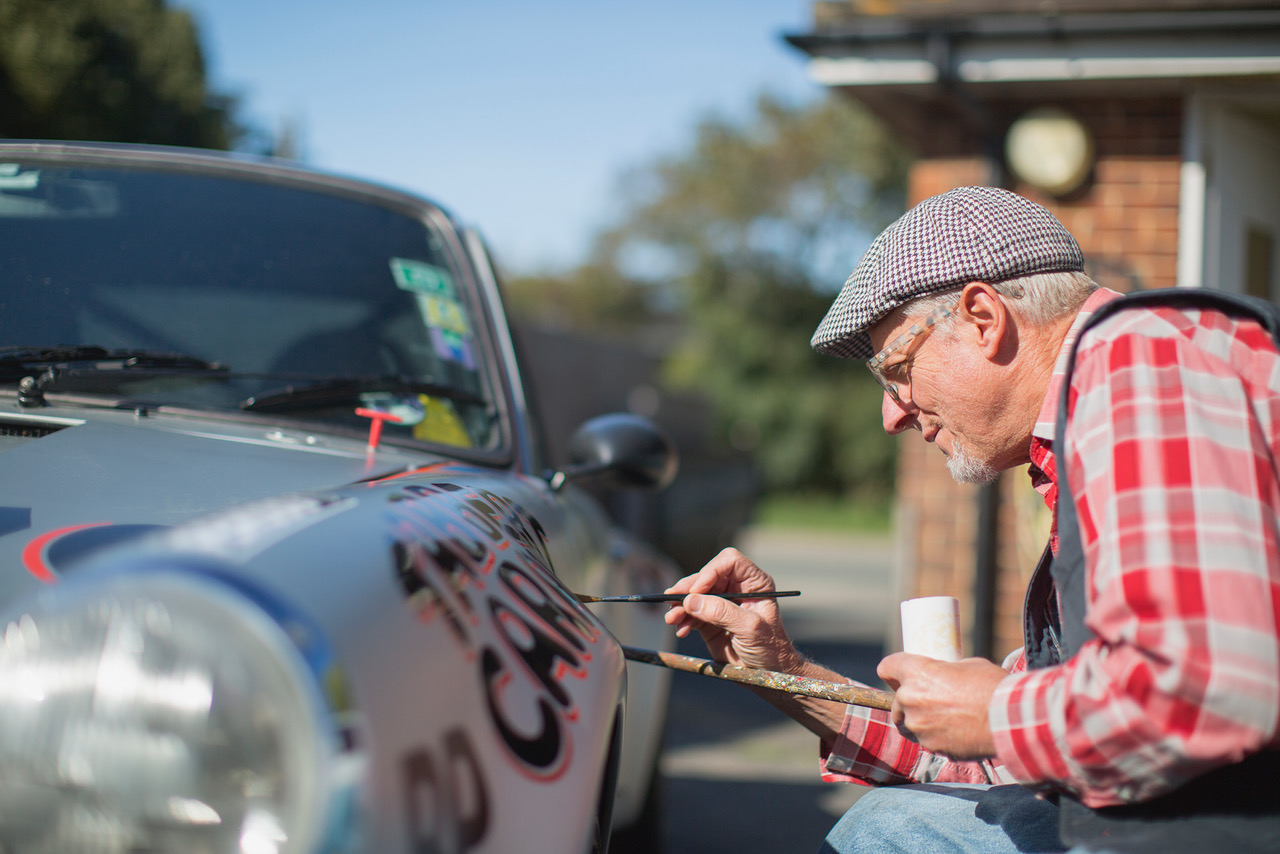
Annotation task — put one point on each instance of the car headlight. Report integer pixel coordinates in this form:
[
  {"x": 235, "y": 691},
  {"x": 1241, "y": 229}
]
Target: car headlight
[{"x": 163, "y": 712}]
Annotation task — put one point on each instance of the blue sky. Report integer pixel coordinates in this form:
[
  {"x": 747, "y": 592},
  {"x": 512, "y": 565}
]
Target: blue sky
[{"x": 517, "y": 116}]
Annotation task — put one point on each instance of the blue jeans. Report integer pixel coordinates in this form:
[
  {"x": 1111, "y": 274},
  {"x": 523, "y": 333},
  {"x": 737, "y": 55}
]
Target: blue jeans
[{"x": 933, "y": 818}]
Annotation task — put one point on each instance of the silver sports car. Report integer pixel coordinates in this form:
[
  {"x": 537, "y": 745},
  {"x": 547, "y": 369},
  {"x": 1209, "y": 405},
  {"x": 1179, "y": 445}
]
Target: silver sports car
[{"x": 284, "y": 567}]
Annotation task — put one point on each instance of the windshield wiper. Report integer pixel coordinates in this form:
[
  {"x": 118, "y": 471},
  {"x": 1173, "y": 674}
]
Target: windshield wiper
[
  {"x": 336, "y": 390},
  {"x": 38, "y": 369},
  {"x": 18, "y": 362}
]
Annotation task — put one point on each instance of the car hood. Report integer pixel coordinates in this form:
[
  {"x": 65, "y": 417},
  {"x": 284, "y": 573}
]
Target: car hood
[{"x": 70, "y": 486}]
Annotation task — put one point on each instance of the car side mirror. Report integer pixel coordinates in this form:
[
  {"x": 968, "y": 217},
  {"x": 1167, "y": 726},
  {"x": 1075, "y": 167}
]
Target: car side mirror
[{"x": 629, "y": 450}]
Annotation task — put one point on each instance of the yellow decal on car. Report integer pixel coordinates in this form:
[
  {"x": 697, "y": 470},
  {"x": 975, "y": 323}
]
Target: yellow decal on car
[
  {"x": 440, "y": 424},
  {"x": 444, "y": 314}
]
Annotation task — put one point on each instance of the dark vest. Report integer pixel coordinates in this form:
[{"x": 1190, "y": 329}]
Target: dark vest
[{"x": 1231, "y": 809}]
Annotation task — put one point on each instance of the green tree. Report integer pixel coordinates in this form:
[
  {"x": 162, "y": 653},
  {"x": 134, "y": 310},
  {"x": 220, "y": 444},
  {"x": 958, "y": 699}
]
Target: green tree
[
  {"x": 746, "y": 236},
  {"x": 108, "y": 70},
  {"x": 595, "y": 297}
]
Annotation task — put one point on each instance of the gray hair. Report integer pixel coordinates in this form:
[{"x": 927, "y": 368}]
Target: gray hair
[{"x": 1037, "y": 299}]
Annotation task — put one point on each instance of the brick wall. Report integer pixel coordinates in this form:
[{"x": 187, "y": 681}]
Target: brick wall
[
  {"x": 1126, "y": 219},
  {"x": 936, "y": 517}
]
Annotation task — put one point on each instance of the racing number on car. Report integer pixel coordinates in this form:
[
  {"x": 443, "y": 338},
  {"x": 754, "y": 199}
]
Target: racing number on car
[
  {"x": 485, "y": 571},
  {"x": 448, "y": 801}
]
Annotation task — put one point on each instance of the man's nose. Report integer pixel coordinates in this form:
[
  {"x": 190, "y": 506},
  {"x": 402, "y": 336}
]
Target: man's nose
[{"x": 896, "y": 415}]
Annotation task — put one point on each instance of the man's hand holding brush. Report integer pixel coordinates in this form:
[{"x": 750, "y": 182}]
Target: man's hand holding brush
[{"x": 750, "y": 633}]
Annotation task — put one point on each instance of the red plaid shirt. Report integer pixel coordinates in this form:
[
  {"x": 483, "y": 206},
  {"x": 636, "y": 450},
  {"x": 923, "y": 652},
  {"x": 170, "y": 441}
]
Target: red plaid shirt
[{"x": 1175, "y": 439}]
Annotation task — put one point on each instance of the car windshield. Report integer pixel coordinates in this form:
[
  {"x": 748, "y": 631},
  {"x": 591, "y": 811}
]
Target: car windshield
[{"x": 215, "y": 291}]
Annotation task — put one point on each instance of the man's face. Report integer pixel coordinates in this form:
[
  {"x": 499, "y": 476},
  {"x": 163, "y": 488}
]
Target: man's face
[{"x": 947, "y": 391}]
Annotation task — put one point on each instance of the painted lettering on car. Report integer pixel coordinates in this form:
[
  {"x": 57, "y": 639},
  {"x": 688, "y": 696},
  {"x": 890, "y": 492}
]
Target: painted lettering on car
[{"x": 479, "y": 563}]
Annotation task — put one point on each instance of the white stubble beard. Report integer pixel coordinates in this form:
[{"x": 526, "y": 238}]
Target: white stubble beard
[{"x": 965, "y": 468}]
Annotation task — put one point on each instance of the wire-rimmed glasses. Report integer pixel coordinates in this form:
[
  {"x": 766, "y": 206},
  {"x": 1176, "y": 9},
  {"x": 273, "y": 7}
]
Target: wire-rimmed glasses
[{"x": 898, "y": 374}]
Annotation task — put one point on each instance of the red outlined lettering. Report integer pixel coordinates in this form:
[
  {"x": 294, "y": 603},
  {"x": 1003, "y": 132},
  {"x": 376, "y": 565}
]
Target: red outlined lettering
[{"x": 479, "y": 562}]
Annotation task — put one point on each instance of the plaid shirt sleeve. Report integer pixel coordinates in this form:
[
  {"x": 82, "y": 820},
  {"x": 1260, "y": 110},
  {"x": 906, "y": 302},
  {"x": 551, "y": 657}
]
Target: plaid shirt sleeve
[
  {"x": 871, "y": 751},
  {"x": 1172, "y": 453}
]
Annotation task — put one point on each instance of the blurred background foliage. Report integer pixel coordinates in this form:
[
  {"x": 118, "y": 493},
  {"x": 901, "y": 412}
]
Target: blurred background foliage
[
  {"x": 726, "y": 256},
  {"x": 108, "y": 70}
]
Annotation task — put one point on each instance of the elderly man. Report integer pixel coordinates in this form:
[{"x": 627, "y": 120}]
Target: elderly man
[{"x": 1143, "y": 713}]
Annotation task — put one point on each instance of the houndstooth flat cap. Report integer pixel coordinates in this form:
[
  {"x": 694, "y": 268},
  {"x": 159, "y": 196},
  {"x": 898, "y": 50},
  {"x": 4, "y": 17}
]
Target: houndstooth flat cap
[{"x": 970, "y": 234}]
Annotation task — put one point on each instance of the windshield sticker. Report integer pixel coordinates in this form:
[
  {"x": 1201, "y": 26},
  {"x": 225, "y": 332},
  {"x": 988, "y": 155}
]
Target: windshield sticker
[
  {"x": 440, "y": 424},
  {"x": 453, "y": 348},
  {"x": 445, "y": 314},
  {"x": 423, "y": 278},
  {"x": 442, "y": 312}
]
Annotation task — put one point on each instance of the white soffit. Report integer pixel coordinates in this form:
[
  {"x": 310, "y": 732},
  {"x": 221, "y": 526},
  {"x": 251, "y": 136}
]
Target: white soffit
[
  {"x": 1009, "y": 70},
  {"x": 985, "y": 62},
  {"x": 853, "y": 71}
]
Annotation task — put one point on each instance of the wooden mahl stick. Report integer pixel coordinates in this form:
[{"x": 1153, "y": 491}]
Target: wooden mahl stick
[{"x": 852, "y": 695}]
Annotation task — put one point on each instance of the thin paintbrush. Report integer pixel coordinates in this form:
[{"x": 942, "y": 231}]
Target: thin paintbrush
[{"x": 679, "y": 597}]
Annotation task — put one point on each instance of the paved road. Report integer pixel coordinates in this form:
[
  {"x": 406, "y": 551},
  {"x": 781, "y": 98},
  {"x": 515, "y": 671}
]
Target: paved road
[{"x": 739, "y": 776}]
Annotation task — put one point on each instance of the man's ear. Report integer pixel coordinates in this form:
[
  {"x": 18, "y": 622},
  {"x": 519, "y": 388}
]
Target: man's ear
[{"x": 992, "y": 325}]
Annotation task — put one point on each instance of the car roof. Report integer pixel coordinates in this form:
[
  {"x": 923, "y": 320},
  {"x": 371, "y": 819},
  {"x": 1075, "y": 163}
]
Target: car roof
[{"x": 209, "y": 161}]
